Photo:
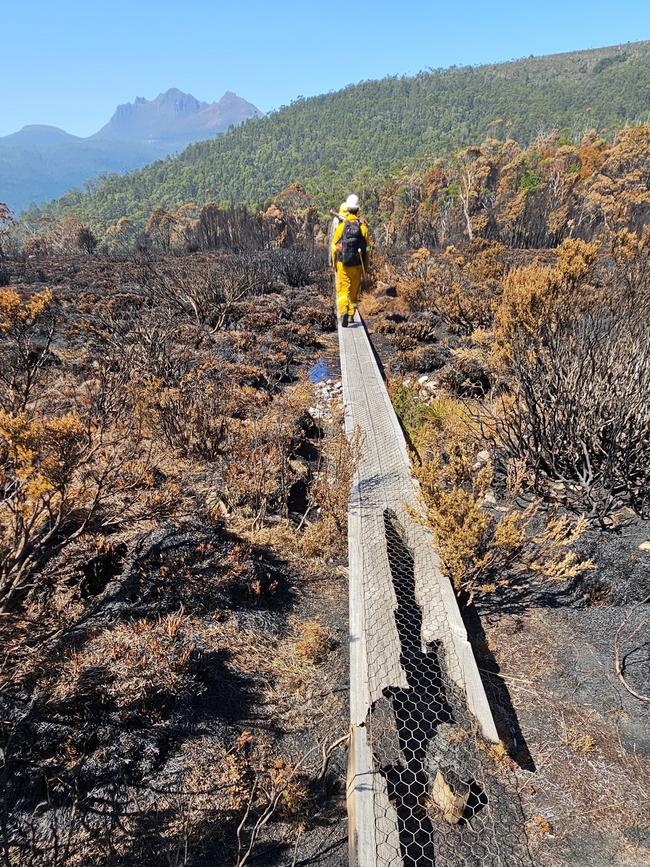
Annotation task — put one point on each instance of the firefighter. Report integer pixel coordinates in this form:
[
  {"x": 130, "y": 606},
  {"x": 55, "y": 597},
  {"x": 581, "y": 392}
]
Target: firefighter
[{"x": 350, "y": 253}]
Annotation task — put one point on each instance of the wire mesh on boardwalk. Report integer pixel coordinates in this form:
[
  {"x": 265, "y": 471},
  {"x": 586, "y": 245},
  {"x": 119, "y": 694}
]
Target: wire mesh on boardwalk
[
  {"x": 442, "y": 790},
  {"x": 453, "y": 801}
]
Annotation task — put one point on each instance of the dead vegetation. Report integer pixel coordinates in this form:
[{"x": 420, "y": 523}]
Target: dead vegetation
[
  {"x": 521, "y": 380},
  {"x": 573, "y": 341},
  {"x": 167, "y": 682},
  {"x": 483, "y": 550},
  {"x": 331, "y": 489}
]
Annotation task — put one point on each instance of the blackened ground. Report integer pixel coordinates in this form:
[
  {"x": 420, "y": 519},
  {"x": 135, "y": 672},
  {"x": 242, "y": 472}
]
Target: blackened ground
[{"x": 580, "y": 739}]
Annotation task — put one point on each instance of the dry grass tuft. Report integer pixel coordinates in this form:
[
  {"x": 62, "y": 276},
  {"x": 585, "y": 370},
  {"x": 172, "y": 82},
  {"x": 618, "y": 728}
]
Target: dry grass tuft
[
  {"x": 139, "y": 666},
  {"x": 315, "y": 642}
]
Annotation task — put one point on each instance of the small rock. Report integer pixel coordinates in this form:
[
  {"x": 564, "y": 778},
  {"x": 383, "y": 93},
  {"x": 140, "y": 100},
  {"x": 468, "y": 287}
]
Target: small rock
[
  {"x": 450, "y": 795},
  {"x": 430, "y": 386},
  {"x": 621, "y": 518},
  {"x": 489, "y": 499},
  {"x": 644, "y": 546},
  {"x": 422, "y": 379}
]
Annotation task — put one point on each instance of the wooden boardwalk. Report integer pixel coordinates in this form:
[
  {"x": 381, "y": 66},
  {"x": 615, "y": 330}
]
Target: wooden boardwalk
[{"x": 382, "y": 626}]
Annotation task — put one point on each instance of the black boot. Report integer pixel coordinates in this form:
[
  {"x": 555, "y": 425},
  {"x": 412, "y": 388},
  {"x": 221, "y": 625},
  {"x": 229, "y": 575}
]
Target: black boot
[{"x": 344, "y": 320}]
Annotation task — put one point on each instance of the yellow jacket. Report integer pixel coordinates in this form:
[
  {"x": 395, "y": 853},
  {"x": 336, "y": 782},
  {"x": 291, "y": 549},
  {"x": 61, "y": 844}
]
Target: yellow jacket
[{"x": 337, "y": 237}]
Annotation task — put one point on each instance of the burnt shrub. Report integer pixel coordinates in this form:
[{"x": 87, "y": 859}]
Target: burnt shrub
[
  {"x": 425, "y": 358},
  {"x": 294, "y": 266},
  {"x": 235, "y": 229},
  {"x": 420, "y": 328},
  {"x": 580, "y": 412},
  {"x": 320, "y": 317},
  {"x": 86, "y": 240},
  {"x": 467, "y": 375}
]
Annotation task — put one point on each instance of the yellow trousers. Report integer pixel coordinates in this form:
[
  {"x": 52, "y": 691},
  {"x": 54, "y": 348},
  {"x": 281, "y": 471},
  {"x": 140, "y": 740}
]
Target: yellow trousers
[{"x": 348, "y": 283}]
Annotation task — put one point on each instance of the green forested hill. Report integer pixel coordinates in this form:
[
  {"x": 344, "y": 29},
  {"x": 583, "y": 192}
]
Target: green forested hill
[{"x": 328, "y": 142}]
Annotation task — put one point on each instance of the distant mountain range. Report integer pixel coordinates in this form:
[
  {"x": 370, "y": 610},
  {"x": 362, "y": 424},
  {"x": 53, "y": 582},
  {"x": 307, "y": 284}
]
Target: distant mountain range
[{"x": 39, "y": 162}]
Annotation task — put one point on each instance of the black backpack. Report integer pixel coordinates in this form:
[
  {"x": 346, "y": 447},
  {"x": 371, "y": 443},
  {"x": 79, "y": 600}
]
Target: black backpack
[{"x": 352, "y": 241}]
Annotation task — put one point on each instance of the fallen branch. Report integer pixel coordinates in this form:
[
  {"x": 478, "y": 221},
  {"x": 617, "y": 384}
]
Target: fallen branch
[
  {"x": 327, "y": 752},
  {"x": 619, "y": 666},
  {"x": 273, "y": 795}
]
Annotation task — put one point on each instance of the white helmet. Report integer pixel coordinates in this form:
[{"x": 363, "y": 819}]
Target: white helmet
[{"x": 352, "y": 202}]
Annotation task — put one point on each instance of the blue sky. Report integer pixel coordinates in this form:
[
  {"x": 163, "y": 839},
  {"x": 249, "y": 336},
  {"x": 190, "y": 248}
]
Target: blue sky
[{"x": 70, "y": 63}]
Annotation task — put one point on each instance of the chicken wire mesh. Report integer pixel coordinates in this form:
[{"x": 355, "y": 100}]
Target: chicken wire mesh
[
  {"x": 450, "y": 793},
  {"x": 442, "y": 793}
]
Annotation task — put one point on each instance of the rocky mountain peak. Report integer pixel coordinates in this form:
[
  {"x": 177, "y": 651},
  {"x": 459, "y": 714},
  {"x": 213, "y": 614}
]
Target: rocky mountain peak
[{"x": 175, "y": 116}]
